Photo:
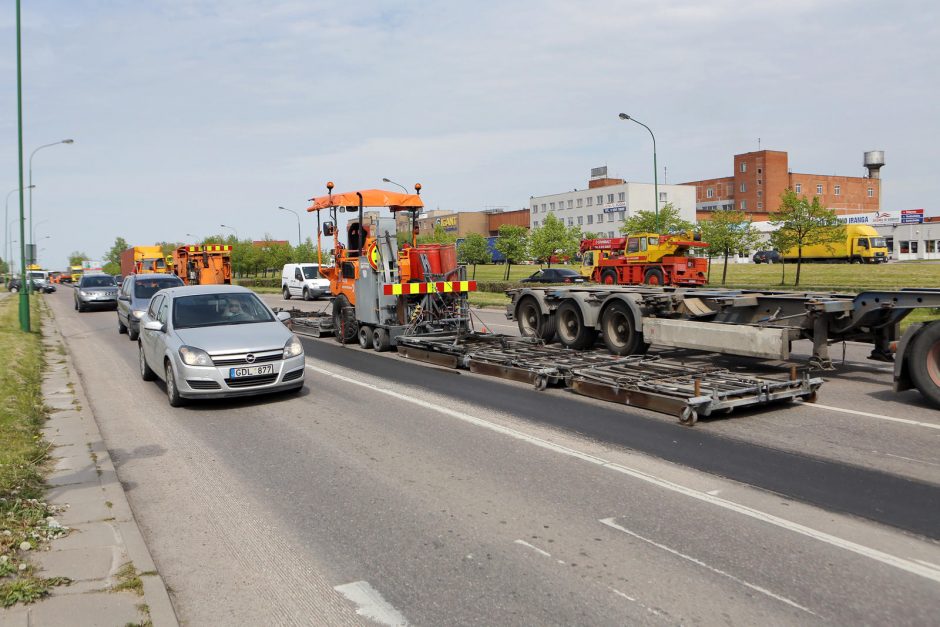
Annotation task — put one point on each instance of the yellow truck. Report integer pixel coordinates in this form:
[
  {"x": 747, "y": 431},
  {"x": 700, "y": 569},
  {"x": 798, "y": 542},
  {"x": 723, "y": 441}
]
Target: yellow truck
[
  {"x": 862, "y": 244},
  {"x": 143, "y": 259}
]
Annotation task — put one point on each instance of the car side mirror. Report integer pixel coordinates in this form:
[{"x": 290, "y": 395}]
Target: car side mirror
[
  {"x": 154, "y": 325},
  {"x": 283, "y": 316},
  {"x": 328, "y": 229},
  {"x": 124, "y": 297}
]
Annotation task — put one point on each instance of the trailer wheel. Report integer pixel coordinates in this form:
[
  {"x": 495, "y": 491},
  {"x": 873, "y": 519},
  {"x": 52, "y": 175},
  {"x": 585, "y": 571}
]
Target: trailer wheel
[
  {"x": 609, "y": 277},
  {"x": 532, "y": 323},
  {"x": 924, "y": 362},
  {"x": 345, "y": 327},
  {"x": 572, "y": 332},
  {"x": 365, "y": 337},
  {"x": 380, "y": 341},
  {"x": 688, "y": 416},
  {"x": 654, "y": 276},
  {"x": 619, "y": 331}
]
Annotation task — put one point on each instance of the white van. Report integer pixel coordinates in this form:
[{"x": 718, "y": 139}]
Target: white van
[{"x": 303, "y": 280}]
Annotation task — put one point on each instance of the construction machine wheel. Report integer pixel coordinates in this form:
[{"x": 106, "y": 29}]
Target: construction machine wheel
[
  {"x": 572, "y": 332},
  {"x": 380, "y": 340},
  {"x": 286, "y": 293},
  {"x": 532, "y": 323},
  {"x": 346, "y": 329},
  {"x": 923, "y": 362},
  {"x": 609, "y": 277},
  {"x": 365, "y": 336},
  {"x": 619, "y": 331},
  {"x": 654, "y": 276}
]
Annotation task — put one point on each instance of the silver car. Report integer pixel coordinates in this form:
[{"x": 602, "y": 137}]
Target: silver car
[
  {"x": 134, "y": 298},
  {"x": 217, "y": 341},
  {"x": 96, "y": 291}
]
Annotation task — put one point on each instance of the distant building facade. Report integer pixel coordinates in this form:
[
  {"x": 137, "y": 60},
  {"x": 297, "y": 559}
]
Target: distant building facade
[
  {"x": 462, "y": 223},
  {"x": 761, "y": 177},
  {"x": 607, "y": 202}
]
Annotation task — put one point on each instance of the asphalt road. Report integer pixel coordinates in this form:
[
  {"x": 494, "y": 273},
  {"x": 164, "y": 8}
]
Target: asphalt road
[{"x": 392, "y": 491}]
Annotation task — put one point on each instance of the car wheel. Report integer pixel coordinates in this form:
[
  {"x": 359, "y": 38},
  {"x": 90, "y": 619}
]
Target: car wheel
[
  {"x": 122, "y": 328},
  {"x": 286, "y": 293},
  {"x": 172, "y": 392},
  {"x": 133, "y": 334},
  {"x": 306, "y": 294},
  {"x": 145, "y": 372}
]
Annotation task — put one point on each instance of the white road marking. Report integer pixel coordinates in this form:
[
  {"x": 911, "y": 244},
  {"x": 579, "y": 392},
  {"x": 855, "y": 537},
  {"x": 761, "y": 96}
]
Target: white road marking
[
  {"x": 534, "y": 548},
  {"x": 926, "y": 563},
  {"x": 371, "y": 604},
  {"x": 855, "y": 412},
  {"x": 714, "y": 492},
  {"x": 629, "y": 598},
  {"x": 910, "y": 459},
  {"x": 821, "y": 536},
  {"x": 610, "y": 523}
]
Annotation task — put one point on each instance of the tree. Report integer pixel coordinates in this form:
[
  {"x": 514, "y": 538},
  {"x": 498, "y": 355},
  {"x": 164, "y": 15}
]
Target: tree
[
  {"x": 804, "y": 224},
  {"x": 76, "y": 258},
  {"x": 554, "y": 238},
  {"x": 728, "y": 232},
  {"x": 440, "y": 236},
  {"x": 513, "y": 244},
  {"x": 474, "y": 250},
  {"x": 4, "y": 267},
  {"x": 112, "y": 258},
  {"x": 646, "y": 222},
  {"x": 781, "y": 240}
]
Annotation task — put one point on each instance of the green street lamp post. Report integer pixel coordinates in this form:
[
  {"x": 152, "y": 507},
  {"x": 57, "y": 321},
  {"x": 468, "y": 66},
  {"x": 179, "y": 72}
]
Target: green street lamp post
[
  {"x": 624, "y": 116},
  {"x": 296, "y": 215},
  {"x": 7, "y": 250},
  {"x": 24, "y": 295}
]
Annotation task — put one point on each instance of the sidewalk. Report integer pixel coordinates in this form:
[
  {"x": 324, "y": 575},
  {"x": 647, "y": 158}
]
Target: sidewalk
[{"x": 114, "y": 580}]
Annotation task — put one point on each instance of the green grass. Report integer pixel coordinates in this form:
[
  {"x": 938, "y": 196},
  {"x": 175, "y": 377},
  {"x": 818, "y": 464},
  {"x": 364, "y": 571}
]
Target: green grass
[
  {"x": 23, "y": 515},
  {"x": 128, "y": 579},
  {"x": 825, "y": 276}
]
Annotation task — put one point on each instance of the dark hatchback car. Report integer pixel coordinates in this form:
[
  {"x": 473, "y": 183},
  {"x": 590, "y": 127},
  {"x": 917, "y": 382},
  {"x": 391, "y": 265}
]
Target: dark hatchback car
[
  {"x": 767, "y": 256},
  {"x": 554, "y": 275},
  {"x": 96, "y": 291},
  {"x": 134, "y": 298}
]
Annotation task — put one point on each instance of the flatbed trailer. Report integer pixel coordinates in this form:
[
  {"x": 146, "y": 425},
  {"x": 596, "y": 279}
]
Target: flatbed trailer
[{"x": 762, "y": 324}]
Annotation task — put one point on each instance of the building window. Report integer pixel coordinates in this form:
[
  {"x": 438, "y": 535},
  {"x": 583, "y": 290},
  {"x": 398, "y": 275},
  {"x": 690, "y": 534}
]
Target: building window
[
  {"x": 610, "y": 217},
  {"x": 759, "y": 181},
  {"x": 536, "y": 224},
  {"x": 552, "y": 206},
  {"x": 570, "y": 204},
  {"x": 600, "y": 200},
  {"x": 580, "y": 202},
  {"x": 759, "y": 170},
  {"x": 610, "y": 199},
  {"x": 580, "y": 220},
  {"x": 744, "y": 166},
  {"x": 600, "y": 218},
  {"x": 837, "y": 190},
  {"x": 871, "y": 192},
  {"x": 590, "y": 218},
  {"x": 590, "y": 201},
  {"x": 709, "y": 193},
  {"x": 760, "y": 205},
  {"x": 622, "y": 196},
  {"x": 743, "y": 187},
  {"x": 622, "y": 215},
  {"x": 930, "y": 246},
  {"x": 543, "y": 207},
  {"x": 799, "y": 188},
  {"x": 819, "y": 189},
  {"x": 662, "y": 196},
  {"x": 610, "y": 233},
  {"x": 743, "y": 205},
  {"x": 759, "y": 193},
  {"x": 570, "y": 221},
  {"x": 535, "y": 208}
]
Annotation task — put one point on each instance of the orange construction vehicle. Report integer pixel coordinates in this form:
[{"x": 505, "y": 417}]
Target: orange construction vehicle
[
  {"x": 210, "y": 264},
  {"x": 644, "y": 258},
  {"x": 381, "y": 293},
  {"x": 141, "y": 260}
]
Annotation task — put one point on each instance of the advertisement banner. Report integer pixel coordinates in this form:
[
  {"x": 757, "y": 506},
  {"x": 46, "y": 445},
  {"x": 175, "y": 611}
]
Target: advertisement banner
[{"x": 912, "y": 216}]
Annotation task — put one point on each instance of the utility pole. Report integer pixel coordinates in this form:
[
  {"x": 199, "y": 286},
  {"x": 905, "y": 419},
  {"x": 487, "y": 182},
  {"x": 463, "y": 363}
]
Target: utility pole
[{"x": 24, "y": 293}]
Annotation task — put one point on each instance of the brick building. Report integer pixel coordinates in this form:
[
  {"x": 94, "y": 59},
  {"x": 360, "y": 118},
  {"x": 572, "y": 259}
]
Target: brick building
[{"x": 761, "y": 177}]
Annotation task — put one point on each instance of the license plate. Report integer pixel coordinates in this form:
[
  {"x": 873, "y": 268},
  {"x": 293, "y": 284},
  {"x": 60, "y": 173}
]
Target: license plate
[{"x": 250, "y": 371}]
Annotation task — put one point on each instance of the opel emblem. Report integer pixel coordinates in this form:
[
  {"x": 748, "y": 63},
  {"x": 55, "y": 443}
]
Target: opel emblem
[{"x": 250, "y": 358}]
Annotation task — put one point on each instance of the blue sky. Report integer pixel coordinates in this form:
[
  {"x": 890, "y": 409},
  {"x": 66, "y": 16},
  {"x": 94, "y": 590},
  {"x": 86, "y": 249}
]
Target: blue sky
[{"x": 191, "y": 113}]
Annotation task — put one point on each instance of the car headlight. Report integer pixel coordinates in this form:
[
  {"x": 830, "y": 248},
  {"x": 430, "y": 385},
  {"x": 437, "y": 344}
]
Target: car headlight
[
  {"x": 195, "y": 356},
  {"x": 83, "y": 292},
  {"x": 293, "y": 348},
  {"x": 138, "y": 313}
]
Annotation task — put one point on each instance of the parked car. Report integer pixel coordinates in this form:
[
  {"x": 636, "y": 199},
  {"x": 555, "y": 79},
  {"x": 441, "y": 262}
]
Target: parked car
[
  {"x": 303, "y": 280},
  {"x": 134, "y": 298},
  {"x": 217, "y": 341},
  {"x": 44, "y": 287},
  {"x": 554, "y": 275},
  {"x": 14, "y": 285},
  {"x": 96, "y": 291},
  {"x": 767, "y": 256}
]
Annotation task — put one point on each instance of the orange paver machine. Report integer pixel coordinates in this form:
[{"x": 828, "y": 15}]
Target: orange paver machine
[
  {"x": 210, "y": 264},
  {"x": 380, "y": 292}
]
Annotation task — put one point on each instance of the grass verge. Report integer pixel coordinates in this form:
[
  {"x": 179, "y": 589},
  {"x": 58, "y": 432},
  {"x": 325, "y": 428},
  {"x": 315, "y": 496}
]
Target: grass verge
[{"x": 26, "y": 522}]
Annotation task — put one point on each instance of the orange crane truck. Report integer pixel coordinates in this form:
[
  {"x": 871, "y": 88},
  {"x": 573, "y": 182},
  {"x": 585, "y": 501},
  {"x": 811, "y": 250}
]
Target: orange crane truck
[
  {"x": 644, "y": 258},
  {"x": 210, "y": 264}
]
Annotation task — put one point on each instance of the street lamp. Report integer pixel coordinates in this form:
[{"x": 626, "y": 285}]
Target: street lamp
[
  {"x": 624, "y": 116},
  {"x": 7, "y": 251},
  {"x": 296, "y": 215},
  {"x": 30, "y": 188},
  {"x": 394, "y": 183},
  {"x": 32, "y": 235},
  {"x": 225, "y": 226}
]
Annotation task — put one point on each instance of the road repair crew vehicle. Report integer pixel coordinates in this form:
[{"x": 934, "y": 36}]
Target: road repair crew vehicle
[
  {"x": 861, "y": 244},
  {"x": 141, "y": 259},
  {"x": 381, "y": 293},
  {"x": 208, "y": 264},
  {"x": 644, "y": 258}
]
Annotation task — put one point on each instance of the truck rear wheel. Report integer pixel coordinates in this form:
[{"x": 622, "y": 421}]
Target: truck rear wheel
[
  {"x": 654, "y": 276},
  {"x": 365, "y": 336},
  {"x": 609, "y": 277},
  {"x": 619, "y": 331},
  {"x": 380, "y": 340},
  {"x": 924, "y": 362},
  {"x": 532, "y": 323},
  {"x": 345, "y": 328},
  {"x": 572, "y": 332}
]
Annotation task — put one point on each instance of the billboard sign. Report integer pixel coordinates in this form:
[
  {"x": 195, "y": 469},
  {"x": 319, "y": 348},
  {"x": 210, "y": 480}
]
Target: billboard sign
[
  {"x": 599, "y": 173},
  {"x": 912, "y": 216}
]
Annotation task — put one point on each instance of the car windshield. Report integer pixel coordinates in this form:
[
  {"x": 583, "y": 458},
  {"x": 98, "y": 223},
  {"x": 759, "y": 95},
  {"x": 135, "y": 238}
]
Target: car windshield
[
  {"x": 878, "y": 242},
  {"x": 97, "y": 281},
  {"x": 146, "y": 288},
  {"x": 209, "y": 310},
  {"x": 311, "y": 272},
  {"x": 37, "y": 275}
]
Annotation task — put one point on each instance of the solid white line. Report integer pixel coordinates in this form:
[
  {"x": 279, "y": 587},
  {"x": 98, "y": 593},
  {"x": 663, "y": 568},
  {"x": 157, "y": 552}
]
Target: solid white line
[
  {"x": 905, "y": 421},
  {"x": 371, "y": 604},
  {"x": 610, "y": 523},
  {"x": 534, "y": 548},
  {"x": 859, "y": 549}
]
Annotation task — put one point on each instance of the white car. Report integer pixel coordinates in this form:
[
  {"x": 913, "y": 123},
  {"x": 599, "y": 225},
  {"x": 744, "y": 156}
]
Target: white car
[{"x": 303, "y": 280}]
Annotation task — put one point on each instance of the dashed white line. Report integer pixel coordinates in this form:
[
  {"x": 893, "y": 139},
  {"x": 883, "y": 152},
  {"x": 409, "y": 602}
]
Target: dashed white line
[
  {"x": 906, "y": 421},
  {"x": 859, "y": 549},
  {"x": 533, "y": 547},
  {"x": 610, "y": 523},
  {"x": 371, "y": 604}
]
